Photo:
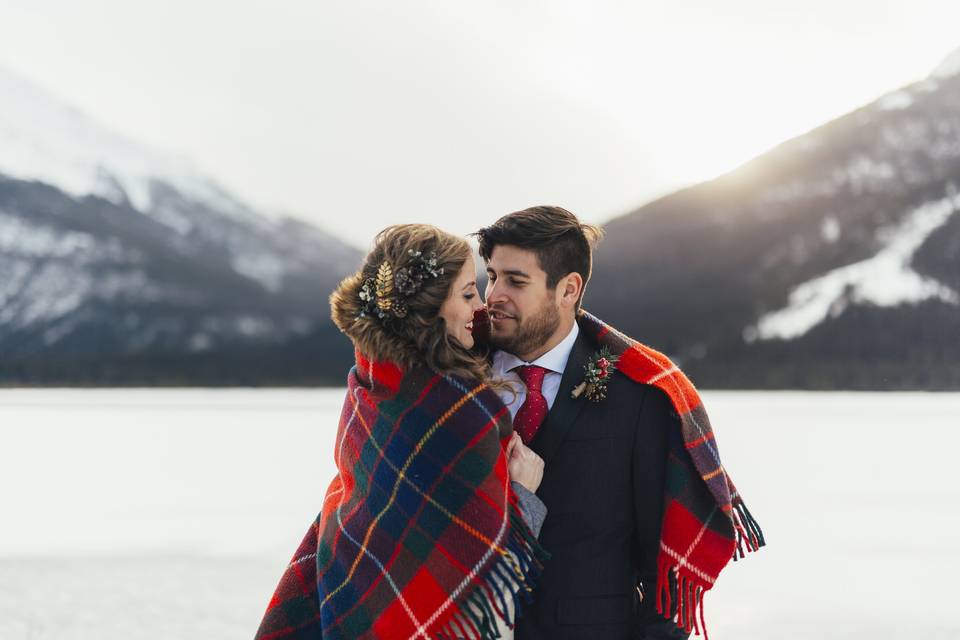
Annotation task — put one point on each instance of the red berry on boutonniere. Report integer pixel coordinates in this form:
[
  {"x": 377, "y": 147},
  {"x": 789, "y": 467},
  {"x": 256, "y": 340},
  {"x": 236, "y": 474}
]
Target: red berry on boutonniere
[{"x": 598, "y": 371}]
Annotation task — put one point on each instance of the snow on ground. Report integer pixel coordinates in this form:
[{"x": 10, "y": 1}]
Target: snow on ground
[
  {"x": 948, "y": 67},
  {"x": 863, "y": 171},
  {"x": 170, "y": 514},
  {"x": 44, "y": 271},
  {"x": 33, "y": 240},
  {"x": 886, "y": 279},
  {"x": 895, "y": 101},
  {"x": 830, "y": 229}
]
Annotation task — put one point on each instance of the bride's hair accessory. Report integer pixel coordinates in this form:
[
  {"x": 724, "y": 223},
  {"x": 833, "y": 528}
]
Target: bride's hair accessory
[{"x": 385, "y": 295}]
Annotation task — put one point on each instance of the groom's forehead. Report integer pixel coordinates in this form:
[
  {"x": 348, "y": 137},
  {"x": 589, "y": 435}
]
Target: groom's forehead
[{"x": 509, "y": 258}]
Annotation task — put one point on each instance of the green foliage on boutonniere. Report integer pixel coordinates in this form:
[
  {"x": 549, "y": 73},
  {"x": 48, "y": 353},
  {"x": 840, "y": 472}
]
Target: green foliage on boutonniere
[{"x": 598, "y": 371}]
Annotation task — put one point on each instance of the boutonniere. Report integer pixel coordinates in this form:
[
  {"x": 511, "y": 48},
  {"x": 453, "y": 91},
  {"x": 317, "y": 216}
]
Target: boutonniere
[{"x": 598, "y": 371}]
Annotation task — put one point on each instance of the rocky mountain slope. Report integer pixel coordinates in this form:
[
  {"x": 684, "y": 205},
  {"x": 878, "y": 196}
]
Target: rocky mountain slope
[
  {"x": 113, "y": 255},
  {"x": 832, "y": 261}
]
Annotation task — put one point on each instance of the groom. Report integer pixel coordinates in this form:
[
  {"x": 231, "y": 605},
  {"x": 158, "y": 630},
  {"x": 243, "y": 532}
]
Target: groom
[{"x": 605, "y": 461}]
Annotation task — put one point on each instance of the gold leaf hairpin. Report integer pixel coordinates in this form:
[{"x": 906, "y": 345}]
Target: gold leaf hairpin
[
  {"x": 384, "y": 286},
  {"x": 385, "y": 295}
]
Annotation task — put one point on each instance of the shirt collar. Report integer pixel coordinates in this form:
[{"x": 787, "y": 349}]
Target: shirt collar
[{"x": 554, "y": 360}]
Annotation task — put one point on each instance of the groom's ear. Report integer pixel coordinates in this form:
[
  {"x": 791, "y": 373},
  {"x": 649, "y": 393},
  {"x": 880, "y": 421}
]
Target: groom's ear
[{"x": 569, "y": 290}]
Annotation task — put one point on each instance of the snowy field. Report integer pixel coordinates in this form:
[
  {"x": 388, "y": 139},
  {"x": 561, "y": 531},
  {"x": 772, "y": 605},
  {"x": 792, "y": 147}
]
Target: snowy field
[{"x": 170, "y": 514}]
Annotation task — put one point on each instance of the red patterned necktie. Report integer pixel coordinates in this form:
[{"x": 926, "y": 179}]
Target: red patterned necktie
[{"x": 534, "y": 408}]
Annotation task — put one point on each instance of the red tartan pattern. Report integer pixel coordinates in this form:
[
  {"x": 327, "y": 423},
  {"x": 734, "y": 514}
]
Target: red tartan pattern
[
  {"x": 420, "y": 529},
  {"x": 705, "y": 521}
]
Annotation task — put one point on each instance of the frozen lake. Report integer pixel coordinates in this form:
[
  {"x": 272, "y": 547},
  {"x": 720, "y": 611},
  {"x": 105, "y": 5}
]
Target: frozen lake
[{"x": 170, "y": 514}]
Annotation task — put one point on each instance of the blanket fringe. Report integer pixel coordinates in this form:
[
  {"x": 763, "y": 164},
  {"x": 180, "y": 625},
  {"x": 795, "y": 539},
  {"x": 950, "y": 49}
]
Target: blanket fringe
[
  {"x": 748, "y": 530},
  {"x": 510, "y": 577},
  {"x": 691, "y": 589},
  {"x": 687, "y": 611}
]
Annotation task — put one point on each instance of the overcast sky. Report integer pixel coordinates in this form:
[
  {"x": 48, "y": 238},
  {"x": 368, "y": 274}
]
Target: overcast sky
[{"x": 356, "y": 115}]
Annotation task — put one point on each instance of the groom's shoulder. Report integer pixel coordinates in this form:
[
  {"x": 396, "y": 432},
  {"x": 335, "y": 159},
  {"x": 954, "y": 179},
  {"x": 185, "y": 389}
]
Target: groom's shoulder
[
  {"x": 649, "y": 396},
  {"x": 652, "y": 398},
  {"x": 644, "y": 410},
  {"x": 643, "y": 395}
]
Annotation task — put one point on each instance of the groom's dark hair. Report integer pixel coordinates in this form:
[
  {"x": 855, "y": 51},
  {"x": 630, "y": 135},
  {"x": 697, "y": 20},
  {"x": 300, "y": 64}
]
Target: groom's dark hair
[{"x": 562, "y": 243}]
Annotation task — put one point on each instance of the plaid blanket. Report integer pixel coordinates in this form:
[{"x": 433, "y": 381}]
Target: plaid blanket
[
  {"x": 420, "y": 534},
  {"x": 705, "y": 521}
]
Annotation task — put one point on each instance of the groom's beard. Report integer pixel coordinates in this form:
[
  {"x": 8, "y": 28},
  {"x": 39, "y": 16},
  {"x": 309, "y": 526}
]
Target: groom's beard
[{"x": 531, "y": 333}]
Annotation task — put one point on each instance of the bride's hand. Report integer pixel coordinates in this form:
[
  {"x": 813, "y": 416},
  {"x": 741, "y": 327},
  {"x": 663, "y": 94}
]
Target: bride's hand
[{"x": 525, "y": 466}]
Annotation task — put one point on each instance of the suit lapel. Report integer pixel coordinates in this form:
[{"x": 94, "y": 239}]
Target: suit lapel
[{"x": 565, "y": 409}]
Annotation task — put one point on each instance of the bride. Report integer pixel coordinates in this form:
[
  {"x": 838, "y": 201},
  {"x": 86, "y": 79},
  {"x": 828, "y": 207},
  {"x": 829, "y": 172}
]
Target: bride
[{"x": 429, "y": 528}]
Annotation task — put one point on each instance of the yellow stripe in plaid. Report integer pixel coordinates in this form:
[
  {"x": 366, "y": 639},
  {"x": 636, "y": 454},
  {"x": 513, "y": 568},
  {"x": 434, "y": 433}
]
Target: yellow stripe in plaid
[
  {"x": 713, "y": 473},
  {"x": 402, "y": 477}
]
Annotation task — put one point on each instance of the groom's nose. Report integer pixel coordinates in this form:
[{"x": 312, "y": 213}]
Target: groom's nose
[{"x": 493, "y": 294}]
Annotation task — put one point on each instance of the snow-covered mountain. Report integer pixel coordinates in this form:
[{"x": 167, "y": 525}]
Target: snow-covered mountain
[
  {"x": 109, "y": 249},
  {"x": 833, "y": 260},
  {"x": 48, "y": 141}
]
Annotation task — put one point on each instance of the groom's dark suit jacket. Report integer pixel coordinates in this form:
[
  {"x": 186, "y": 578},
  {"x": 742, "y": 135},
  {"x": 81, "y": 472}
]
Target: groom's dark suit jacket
[{"x": 603, "y": 487}]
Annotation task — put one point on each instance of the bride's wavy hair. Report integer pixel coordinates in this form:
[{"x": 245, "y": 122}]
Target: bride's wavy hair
[{"x": 420, "y": 337}]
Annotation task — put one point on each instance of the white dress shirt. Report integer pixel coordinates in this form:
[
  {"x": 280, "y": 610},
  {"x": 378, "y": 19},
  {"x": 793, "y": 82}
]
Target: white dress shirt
[{"x": 554, "y": 361}]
